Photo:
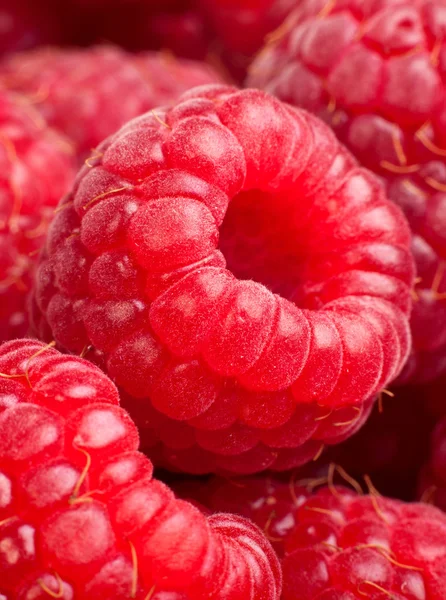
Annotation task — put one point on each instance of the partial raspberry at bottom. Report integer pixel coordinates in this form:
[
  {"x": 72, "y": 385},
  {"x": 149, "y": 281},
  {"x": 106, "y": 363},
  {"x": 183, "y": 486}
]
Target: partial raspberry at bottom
[
  {"x": 81, "y": 516},
  {"x": 338, "y": 544}
]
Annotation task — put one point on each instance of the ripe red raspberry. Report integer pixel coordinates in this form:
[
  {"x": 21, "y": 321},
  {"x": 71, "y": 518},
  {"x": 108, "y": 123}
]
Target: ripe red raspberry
[
  {"x": 346, "y": 546},
  {"x": 37, "y": 168},
  {"x": 376, "y": 72},
  {"x": 337, "y": 544},
  {"x": 89, "y": 93},
  {"x": 228, "y": 260},
  {"x": 81, "y": 516}
]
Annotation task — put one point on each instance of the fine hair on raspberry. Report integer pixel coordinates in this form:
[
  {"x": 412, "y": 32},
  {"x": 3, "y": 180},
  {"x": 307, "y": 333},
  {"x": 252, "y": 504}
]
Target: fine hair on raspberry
[
  {"x": 375, "y": 72},
  {"x": 81, "y": 517},
  {"x": 240, "y": 278}
]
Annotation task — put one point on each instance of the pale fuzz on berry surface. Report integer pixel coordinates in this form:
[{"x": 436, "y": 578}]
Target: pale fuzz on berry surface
[
  {"x": 240, "y": 278},
  {"x": 37, "y": 168},
  {"x": 90, "y": 93},
  {"x": 375, "y": 71},
  {"x": 338, "y": 544},
  {"x": 81, "y": 516}
]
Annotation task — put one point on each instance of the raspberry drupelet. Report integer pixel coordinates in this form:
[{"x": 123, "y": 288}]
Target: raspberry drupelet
[
  {"x": 338, "y": 544},
  {"x": 37, "y": 167},
  {"x": 346, "y": 546},
  {"x": 239, "y": 277},
  {"x": 88, "y": 94},
  {"x": 81, "y": 516},
  {"x": 376, "y": 72}
]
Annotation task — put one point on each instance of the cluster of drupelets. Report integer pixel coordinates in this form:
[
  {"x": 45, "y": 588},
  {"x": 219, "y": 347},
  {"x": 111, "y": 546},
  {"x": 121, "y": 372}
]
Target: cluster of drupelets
[{"x": 244, "y": 287}]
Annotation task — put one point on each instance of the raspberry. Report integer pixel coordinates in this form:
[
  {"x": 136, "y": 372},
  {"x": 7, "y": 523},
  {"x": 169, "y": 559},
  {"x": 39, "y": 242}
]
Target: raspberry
[
  {"x": 376, "y": 72},
  {"x": 346, "y": 546},
  {"x": 260, "y": 330},
  {"x": 88, "y": 94},
  {"x": 337, "y": 544},
  {"x": 37, "y": 169},
  {"x": 81, "y": 516}
]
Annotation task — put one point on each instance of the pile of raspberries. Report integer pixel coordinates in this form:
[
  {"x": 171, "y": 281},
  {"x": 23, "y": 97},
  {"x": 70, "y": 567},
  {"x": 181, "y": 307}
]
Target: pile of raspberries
[{"x": 223, "y": 300}]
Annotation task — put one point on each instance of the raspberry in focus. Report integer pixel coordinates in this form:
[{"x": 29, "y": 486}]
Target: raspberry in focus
[
  {"x": 88, "y": 94},
  {"x": 375, "y": 72},
  {"x": 243, "y": 282},
  {"x": 338, "y": 544},
  {"x": 37, "y": 167},
  {"x": 81, "y": 516}
]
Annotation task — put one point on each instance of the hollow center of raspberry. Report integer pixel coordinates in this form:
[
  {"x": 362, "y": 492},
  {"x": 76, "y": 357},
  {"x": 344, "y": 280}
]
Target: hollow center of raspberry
[{"x": 259, "y": 238}]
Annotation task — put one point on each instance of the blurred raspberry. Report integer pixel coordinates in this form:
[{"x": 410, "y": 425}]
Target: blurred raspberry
[
  {"x": 89, "y": 93},
  {"x": 37, "y": 167},
  {"x": 376, "y": 72}
]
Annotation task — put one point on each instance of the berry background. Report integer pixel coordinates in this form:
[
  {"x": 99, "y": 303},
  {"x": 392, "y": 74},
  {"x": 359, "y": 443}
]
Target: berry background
[{"x": 223, "y": 299}]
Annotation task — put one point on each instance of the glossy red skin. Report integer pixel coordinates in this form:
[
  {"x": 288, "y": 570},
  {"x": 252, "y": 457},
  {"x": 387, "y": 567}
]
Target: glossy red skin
[
  {"x": 146, "y": 263},
  {"x": 376, "y": 72},
  {"x": 37, "y": 167},
  {"x": 88, "y": 94},
  {"x": 81, "y": 516},
  {"x": 335, "y": 544}
]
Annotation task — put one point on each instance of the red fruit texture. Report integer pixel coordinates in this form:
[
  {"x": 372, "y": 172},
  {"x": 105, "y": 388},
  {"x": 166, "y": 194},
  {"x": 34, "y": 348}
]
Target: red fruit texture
[
  {"x": 346, "y": 546},
  {"x": 337, "y": 544},
  {"x": 90, "y": 93},
  {"x": 376, "y": 71},
  {"x": 81, "y": 516},
  {"x": 238, "y": 276},
  {"x": 37, "y": 168}
]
